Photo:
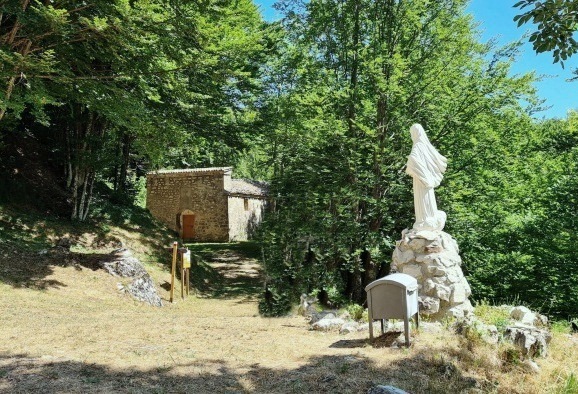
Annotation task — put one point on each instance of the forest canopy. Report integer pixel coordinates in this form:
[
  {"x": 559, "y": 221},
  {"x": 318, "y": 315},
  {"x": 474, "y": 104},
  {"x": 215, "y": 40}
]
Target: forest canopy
[{"x": 319, "y": 104}]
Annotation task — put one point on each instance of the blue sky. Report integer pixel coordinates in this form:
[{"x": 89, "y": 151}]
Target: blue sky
[{"x": 495, "y": 18}]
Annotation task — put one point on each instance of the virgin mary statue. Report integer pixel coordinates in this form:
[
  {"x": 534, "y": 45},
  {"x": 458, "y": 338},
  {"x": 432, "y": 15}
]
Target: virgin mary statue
[{"x": 427, "y": 166}]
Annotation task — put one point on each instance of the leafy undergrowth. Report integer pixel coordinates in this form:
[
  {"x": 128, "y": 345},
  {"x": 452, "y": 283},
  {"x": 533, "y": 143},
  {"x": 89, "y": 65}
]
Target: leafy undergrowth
[{"x": 66, "y": 328}]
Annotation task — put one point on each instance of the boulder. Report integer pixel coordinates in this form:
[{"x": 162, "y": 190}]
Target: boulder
[
  {"x": 129, "y": 267},
  {"x": 530, "y": 340},
  {"x": 122, "y": 263},
  {"x": 349, "y": 327},
  {"x": 526, "y": 316},
  {"x": 328, "y": 323},
  {"x": 487, "y": 332},
  {"x": 143, "y": 289}
]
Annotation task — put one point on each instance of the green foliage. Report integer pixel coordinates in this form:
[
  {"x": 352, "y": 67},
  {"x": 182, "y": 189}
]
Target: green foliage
[
  {"x": 525, "y": 250},
  {"x": 349, "y": 80},
  {"x": 560, "y": 326},
  {"x": 556, "y": 24},
  {"x": 319, "y": 104},
  {"x": 276, "y": 301},
  {"x": 355, "y": 311},
  {"x": 120, "y": 87}
]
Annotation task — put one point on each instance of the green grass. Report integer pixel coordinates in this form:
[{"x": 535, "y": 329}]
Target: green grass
[
  {"x": 495, "y": 315},
  {"x": 570, "y": 385}
]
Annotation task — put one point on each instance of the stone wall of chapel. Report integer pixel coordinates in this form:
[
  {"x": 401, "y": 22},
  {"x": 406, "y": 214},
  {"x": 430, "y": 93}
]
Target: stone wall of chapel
[
  {"x": 245, "y": 214},
  {"x": 169, "y": 194}
]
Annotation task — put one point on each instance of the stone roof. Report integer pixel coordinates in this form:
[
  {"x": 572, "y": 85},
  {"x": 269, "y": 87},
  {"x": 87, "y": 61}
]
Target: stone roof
[
  {"x": 223, "y": 170},
  {"x": 246, "y": 187}
]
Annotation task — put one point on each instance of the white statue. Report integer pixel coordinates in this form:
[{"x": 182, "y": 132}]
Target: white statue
[{"x": 426, "y": 166}]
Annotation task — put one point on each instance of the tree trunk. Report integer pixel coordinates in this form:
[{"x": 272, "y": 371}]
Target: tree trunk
[
  {"x": 83, "y": 151},
  {"x": 126, "y": 143},
  {"x": 9, "y": 41}
]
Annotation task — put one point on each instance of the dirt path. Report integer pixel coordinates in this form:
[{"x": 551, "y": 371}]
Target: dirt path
[{"x": 224, "y": 271}]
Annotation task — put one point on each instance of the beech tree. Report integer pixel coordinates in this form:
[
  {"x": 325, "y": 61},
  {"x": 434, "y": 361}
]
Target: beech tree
[
  {"x": 104, "y": 80},
  {"x": 354, "y": 76},
  {"x": 556, "y": 22}
]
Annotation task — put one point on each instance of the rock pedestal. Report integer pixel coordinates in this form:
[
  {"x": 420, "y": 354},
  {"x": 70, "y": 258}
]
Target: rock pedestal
[{"x": 432, "y": 257}]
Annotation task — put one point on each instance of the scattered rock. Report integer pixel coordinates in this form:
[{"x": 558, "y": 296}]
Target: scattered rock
[
  {"x": 306, "y": 306},
  {"x": 531, "y": 366},
  {"x": 487, "y": 332},
  {"x": 328, "y": 323},
  {"x": 349, "y": 327},
  {"x": 527, "y": 317},
  {"x": 316, "y": 316},
  {"x": 385, "y": 390},
  {"x": 530, "y": 340}
]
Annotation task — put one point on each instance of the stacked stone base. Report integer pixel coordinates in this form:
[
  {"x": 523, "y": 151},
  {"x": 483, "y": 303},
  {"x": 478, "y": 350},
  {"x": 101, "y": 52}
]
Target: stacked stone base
[{"x": 432, "y": 257}]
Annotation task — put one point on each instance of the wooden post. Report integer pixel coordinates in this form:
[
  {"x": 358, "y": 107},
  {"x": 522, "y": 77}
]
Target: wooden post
[
  {"x": 182, "y": 282},
  {"x": 174, "y": 269}
]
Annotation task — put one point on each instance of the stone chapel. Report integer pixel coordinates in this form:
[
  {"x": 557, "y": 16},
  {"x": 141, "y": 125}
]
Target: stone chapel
[{"x": 206, "y": 204}]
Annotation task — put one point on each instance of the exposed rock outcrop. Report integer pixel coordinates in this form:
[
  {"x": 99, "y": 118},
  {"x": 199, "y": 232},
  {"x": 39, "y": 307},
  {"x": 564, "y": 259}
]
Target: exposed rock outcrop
[{"x": 122, "y": 263}]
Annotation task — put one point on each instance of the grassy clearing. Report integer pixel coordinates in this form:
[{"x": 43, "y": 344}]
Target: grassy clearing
[{"x": 64, "y": 327}]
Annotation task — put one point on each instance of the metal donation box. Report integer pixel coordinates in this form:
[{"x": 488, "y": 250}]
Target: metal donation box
[{"x": 392, "y": 297}]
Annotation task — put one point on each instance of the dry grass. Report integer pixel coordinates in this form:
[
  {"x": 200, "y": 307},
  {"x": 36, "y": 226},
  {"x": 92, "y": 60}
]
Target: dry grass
[{"x": 67, "y": 328}]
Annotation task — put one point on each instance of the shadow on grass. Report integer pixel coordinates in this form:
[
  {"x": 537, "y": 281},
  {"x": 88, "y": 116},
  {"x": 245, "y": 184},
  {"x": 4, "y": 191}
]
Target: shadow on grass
[
  {"x": 226, "y": 270},
  {"x": 30, "y": 271},
  {"x": 28, "y": 254},
  {"x": 419, "y": 372},
  {"x": 383, "y": 341}
]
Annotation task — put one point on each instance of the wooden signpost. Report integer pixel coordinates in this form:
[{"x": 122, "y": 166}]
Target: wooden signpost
[{"x": 185, "y": 270}]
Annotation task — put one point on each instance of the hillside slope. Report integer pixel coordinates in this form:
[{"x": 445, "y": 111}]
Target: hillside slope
[{"x": 65, "y": 327}]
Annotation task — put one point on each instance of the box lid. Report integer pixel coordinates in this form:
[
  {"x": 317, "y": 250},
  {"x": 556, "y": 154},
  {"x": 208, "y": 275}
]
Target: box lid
[{"x": 398, "y": 279}]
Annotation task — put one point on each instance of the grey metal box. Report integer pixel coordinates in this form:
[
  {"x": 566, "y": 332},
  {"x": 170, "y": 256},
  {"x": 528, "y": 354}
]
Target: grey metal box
[{"x": 392, "y": 297}]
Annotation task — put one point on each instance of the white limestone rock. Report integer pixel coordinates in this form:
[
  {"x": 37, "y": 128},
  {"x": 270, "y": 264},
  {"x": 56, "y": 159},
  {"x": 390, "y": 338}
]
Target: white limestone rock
[
  {"x": 349, "y": 327},
  {"x": 458, "y": 294},
  {"x": 328, "y": 323},
  {"x": 488, "y": 332},
  {"x": 412, "y": 270},
  {"x": 428, "y": 286},
  {"x": 433, "y": 259},
  {"x": 462, "y": 310},
  {"x": 443, "y": 292},
  {"x": 526, "y": 316},
  {"x": 428, "y": 305},
  {"x": 530, "y": 340}
]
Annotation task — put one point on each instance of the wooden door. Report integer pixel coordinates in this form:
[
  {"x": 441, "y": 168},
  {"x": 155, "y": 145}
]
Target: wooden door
[{"x": 188, "y": 226}]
